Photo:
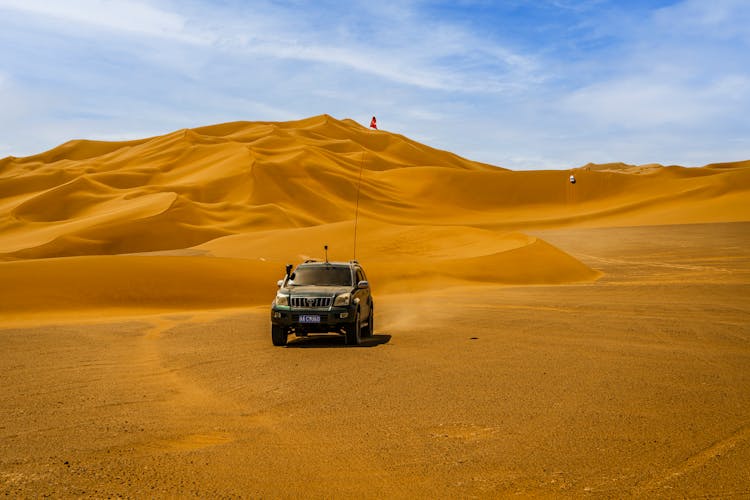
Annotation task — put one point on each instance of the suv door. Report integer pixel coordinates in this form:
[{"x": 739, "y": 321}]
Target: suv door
[{"x": 363, "y": 294}]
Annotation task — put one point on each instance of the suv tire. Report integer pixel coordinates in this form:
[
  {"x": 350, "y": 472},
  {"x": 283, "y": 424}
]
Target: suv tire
[
  {"x": 369, "y": 331},
  {"x": 278, "y": 335},
  {"x": 354, "y": 332}
]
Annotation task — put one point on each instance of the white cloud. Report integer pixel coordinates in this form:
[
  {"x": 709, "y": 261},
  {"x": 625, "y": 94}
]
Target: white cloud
[
  {"x": 17, "y": 104},
  {"x": 123, "y": 16},
  {"x": 717, "y": 19},
  {"x": 635, "y": 102},
  {"x": 674, "y": 71},
  {"x": 359, "y": 59},
  {"x": 424, "y": 114},
  {"x": 392, "y": 44}
]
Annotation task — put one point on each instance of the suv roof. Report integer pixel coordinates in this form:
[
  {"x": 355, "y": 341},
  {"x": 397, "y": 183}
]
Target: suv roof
[
  {"x": 322, "y": 273},
  {"x": 322, "y": 262}
]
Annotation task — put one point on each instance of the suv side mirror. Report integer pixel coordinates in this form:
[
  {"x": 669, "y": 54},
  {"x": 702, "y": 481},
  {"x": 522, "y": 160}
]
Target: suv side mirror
[
  {"x": 279, "y": 283},
  {"x": 363, "y": 284}
]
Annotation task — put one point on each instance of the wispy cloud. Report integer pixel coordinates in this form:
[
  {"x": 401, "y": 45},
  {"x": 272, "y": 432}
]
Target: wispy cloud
[
  {"x": 133, "y": 17},
  {"x": 640, "y": 102},
  {"x": 390, "y": 44}
]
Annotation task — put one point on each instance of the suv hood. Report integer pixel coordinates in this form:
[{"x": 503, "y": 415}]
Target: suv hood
[{"x": 317, "y": 291}]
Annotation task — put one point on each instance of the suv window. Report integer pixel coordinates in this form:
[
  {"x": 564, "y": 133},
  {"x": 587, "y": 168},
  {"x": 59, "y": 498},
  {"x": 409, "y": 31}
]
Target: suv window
[
  {"x": 322, "y": 276},
  {"x": 360, "y": 275}
]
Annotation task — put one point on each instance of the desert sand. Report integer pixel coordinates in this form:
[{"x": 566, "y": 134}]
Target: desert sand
[{"x": 533, "y": 337}]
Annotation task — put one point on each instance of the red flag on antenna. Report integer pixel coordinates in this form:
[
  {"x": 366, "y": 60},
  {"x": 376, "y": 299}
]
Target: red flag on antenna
[{"x": 374, "y": 123}]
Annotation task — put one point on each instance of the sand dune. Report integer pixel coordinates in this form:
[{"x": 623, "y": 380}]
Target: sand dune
[
  {"x": 191, "y": 186},
  {"x": 141, "y": 284},
  {"x": 280, "y": 191},
  {"x": 408, "y": 258}
]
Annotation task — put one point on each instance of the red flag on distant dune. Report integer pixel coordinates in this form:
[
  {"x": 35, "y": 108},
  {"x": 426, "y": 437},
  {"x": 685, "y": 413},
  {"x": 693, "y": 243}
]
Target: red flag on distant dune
[{"x": 374, "y": 123}]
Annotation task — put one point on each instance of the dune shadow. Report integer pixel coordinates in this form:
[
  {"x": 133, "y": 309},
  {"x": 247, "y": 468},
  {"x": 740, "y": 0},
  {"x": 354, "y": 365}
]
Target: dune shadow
[{"x": 335, "y": 341}]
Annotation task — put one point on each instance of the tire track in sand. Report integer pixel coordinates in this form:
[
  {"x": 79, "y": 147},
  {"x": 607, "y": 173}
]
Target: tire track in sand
[
  {"x": 693, "y": 462},
  {"x": 189, "y": 394}
]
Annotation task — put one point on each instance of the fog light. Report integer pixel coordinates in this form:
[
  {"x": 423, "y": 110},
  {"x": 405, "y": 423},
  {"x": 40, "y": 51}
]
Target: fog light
[
  {"x": 276, "y": 314},
  {"x": 344, "y": 315}
]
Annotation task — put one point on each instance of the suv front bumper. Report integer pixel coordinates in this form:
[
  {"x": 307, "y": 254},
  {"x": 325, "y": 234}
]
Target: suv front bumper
[{"x": 333, "y": 319}]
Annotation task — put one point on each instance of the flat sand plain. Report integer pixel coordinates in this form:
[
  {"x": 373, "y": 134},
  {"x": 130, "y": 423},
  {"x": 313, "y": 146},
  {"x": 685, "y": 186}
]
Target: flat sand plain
[
  {"x": 636, "y": 384},
  {"x": 526, "y": 344}
]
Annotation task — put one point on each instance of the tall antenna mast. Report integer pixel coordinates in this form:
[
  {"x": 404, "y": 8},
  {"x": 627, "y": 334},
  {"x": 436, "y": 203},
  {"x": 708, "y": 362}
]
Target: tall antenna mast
[{"x": 356, "y": 210}]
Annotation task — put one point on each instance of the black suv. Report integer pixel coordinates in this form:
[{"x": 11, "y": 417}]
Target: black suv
[{"x": 323, "y": 297}]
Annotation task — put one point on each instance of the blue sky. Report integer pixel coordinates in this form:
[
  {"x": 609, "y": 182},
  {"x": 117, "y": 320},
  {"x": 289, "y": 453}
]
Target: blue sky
[{"x": 520, "y": 84}]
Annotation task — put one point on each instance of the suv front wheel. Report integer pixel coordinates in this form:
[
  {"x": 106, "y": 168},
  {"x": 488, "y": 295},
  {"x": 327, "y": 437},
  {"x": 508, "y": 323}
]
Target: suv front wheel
[
  {"x": 369, "y": 330},
  {"x": 278, "y": 335},
  {"x": 354, "y": 332}
]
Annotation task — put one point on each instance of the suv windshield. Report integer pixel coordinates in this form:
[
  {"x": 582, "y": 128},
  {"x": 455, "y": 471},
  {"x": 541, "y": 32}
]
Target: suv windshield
[{"x": 322, "y": 276}]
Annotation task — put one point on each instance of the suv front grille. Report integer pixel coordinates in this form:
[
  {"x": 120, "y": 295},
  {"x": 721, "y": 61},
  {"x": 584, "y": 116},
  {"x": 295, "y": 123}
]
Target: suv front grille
[{"x": 311, "y": 302}]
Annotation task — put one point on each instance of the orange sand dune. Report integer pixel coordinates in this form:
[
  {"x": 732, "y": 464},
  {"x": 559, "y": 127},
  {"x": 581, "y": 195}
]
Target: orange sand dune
[
  {"x": 408, "y": 258},
  {"x": 139, "y": 283},
  {"x": 191, "y": 186},
  {"x": 279, "y": 191}
]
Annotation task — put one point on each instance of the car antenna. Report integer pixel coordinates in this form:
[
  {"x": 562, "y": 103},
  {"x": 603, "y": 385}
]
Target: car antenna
[
  {"x": 356, "y": 210},
  {"x": 326, "y": 249}
]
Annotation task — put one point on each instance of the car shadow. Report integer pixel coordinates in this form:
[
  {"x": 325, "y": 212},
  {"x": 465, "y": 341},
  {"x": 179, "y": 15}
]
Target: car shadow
[{"x": 335, "y": 341}]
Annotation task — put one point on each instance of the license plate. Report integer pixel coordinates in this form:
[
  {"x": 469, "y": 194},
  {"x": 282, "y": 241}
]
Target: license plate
[{"x": 309, "y": 318}]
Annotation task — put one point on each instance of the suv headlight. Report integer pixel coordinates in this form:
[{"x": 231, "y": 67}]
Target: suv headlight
[
  {"x": 343, "y": 299},
  {"x": 282, "y": 300}
]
